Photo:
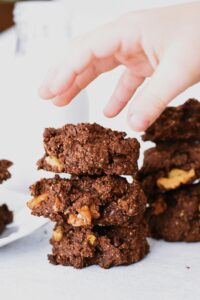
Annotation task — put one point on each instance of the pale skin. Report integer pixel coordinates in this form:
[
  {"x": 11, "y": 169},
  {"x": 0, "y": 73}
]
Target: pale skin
[{"x": 161, "y": 44}]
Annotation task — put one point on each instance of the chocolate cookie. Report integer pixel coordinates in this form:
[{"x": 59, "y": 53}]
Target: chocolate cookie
[
  {"x": 167, "y": 167},
  {"x": 87, "y": 201},
  {"x": 104, "y": 246},
  {"x": 149, "y": 184},
  {"x": 6, "y": 217},
  {"x": 176, "y": 123},
  {"x": 175, "y": 216},
  {"x": 4, "y": 173},
  {"x": 89, "y": 149}
]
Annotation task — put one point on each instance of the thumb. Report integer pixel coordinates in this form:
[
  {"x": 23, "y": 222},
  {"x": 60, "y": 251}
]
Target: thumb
[{"x": 172, "y": 76}]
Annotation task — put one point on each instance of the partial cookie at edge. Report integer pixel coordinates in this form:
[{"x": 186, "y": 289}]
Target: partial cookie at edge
[
  {"x": 176, "y": 123},
  {"x": 175, "y": 216}
]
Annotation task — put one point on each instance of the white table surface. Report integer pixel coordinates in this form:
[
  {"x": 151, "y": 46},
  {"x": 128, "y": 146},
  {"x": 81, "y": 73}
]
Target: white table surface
[{"x": 171, "y": 271}]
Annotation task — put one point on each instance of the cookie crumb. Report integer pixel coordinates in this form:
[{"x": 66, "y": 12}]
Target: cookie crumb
[{"x": 187, "y": 267}]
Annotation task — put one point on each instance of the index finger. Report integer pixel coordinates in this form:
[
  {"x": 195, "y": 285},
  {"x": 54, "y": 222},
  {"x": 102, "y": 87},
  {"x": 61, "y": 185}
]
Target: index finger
[{"x": 82, "y": 53}]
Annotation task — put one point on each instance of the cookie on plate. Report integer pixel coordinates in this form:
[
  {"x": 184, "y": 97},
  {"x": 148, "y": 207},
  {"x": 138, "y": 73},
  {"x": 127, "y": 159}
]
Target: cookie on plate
[{"x": 6, "y": 217}]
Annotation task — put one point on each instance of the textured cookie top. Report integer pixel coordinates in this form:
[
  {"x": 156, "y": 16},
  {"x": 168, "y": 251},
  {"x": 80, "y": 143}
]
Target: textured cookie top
[
  {"x": 176, "y": 123},
  {"x": 86, "y": 201},
  {"x": 4, "y": 173},
  {"x": 166, "y": 157},
  {"x": 89, "y": 149}
]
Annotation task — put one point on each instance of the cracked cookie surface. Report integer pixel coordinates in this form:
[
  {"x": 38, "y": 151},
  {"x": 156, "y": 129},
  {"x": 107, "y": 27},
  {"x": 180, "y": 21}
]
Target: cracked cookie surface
[
  {"x": 176, "y": 123},
  {"x": 89, "y": 149},
  {"x": 87, "y": 201}
]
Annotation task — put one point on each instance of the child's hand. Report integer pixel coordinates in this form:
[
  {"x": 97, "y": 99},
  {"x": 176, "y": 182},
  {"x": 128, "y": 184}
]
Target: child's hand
[{"x": 163, "y": 44}]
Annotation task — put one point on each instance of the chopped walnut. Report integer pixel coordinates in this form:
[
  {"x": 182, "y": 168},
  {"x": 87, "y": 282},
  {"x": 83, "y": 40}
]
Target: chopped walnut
[
  {"x": 91, "y": 239},
  {"x": 58, "y": 234},
  {"x": 37, "y": 200},
  {"x": 158, "y": 207},
  {"x": 94, "y": 211},
  {"x": 54, "y": 162},
  {"x": 175, "y": 178},
  {"x": 57, "y": 205},
  {"x": 84, "y": 216}
]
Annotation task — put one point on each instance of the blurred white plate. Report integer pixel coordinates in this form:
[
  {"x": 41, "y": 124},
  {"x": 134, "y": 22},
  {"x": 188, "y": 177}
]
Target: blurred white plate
[{"x": 24, "y": 223}]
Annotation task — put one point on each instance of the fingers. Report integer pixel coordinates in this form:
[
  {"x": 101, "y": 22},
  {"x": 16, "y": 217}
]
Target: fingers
[
  {"x": 44, "y": 90},
  {"x": 62, "y": 77},
  {"x": 125, "y": 89},
  {"x": 171, "y": 78},
  {"x": 66, "y": 97},
  {"x": 81, "y": 81},
  {"x": 82, "y": 53}
]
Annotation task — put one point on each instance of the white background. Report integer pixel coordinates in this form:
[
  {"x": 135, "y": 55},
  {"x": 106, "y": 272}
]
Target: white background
[{"x": 170, "y": 271}]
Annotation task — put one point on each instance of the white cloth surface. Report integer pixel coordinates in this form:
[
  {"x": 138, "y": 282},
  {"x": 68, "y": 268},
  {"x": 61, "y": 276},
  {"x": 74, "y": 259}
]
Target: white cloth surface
[{"x": 170, "y": 271}]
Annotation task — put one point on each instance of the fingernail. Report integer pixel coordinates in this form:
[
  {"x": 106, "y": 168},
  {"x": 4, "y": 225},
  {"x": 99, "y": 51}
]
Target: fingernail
[
  {"x": 57, "y": 102},
  {"x": 45, "y": 93},
  {"x": 138, "y": 123},
  {"x": 59, "y": 84},
  {"x": 107, "y": 112},
  {"x": 60, "y": 101}
]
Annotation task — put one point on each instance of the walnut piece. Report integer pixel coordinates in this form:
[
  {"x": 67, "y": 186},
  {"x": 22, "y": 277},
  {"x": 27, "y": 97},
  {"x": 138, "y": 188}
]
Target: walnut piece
[
  {"x": 175, "y": 178},
  {"x": 91, "y": 239},
  {"x": 57, "y": 205},
  {"x": 94, "y": 211},
  {"x": 37, "y": 201},
  {"x": 58, "y": 234},
  {"x": 54, "y": 162},
  {"x": 84, "y": 216}
]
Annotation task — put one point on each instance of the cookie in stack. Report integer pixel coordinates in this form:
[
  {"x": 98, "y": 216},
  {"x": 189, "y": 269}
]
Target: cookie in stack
[
  {"x": 6, "y": 216},
  {"x": 170, "y": 174},
  {"x": 99, "y": 215}
]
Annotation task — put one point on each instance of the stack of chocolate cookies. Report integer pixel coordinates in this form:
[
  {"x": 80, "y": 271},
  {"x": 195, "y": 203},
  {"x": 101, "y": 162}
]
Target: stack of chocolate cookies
[
  {"x": 171, "y": 172},
  {"x": 6, "y": 216},
  {"x": 99, "y": 215}
]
